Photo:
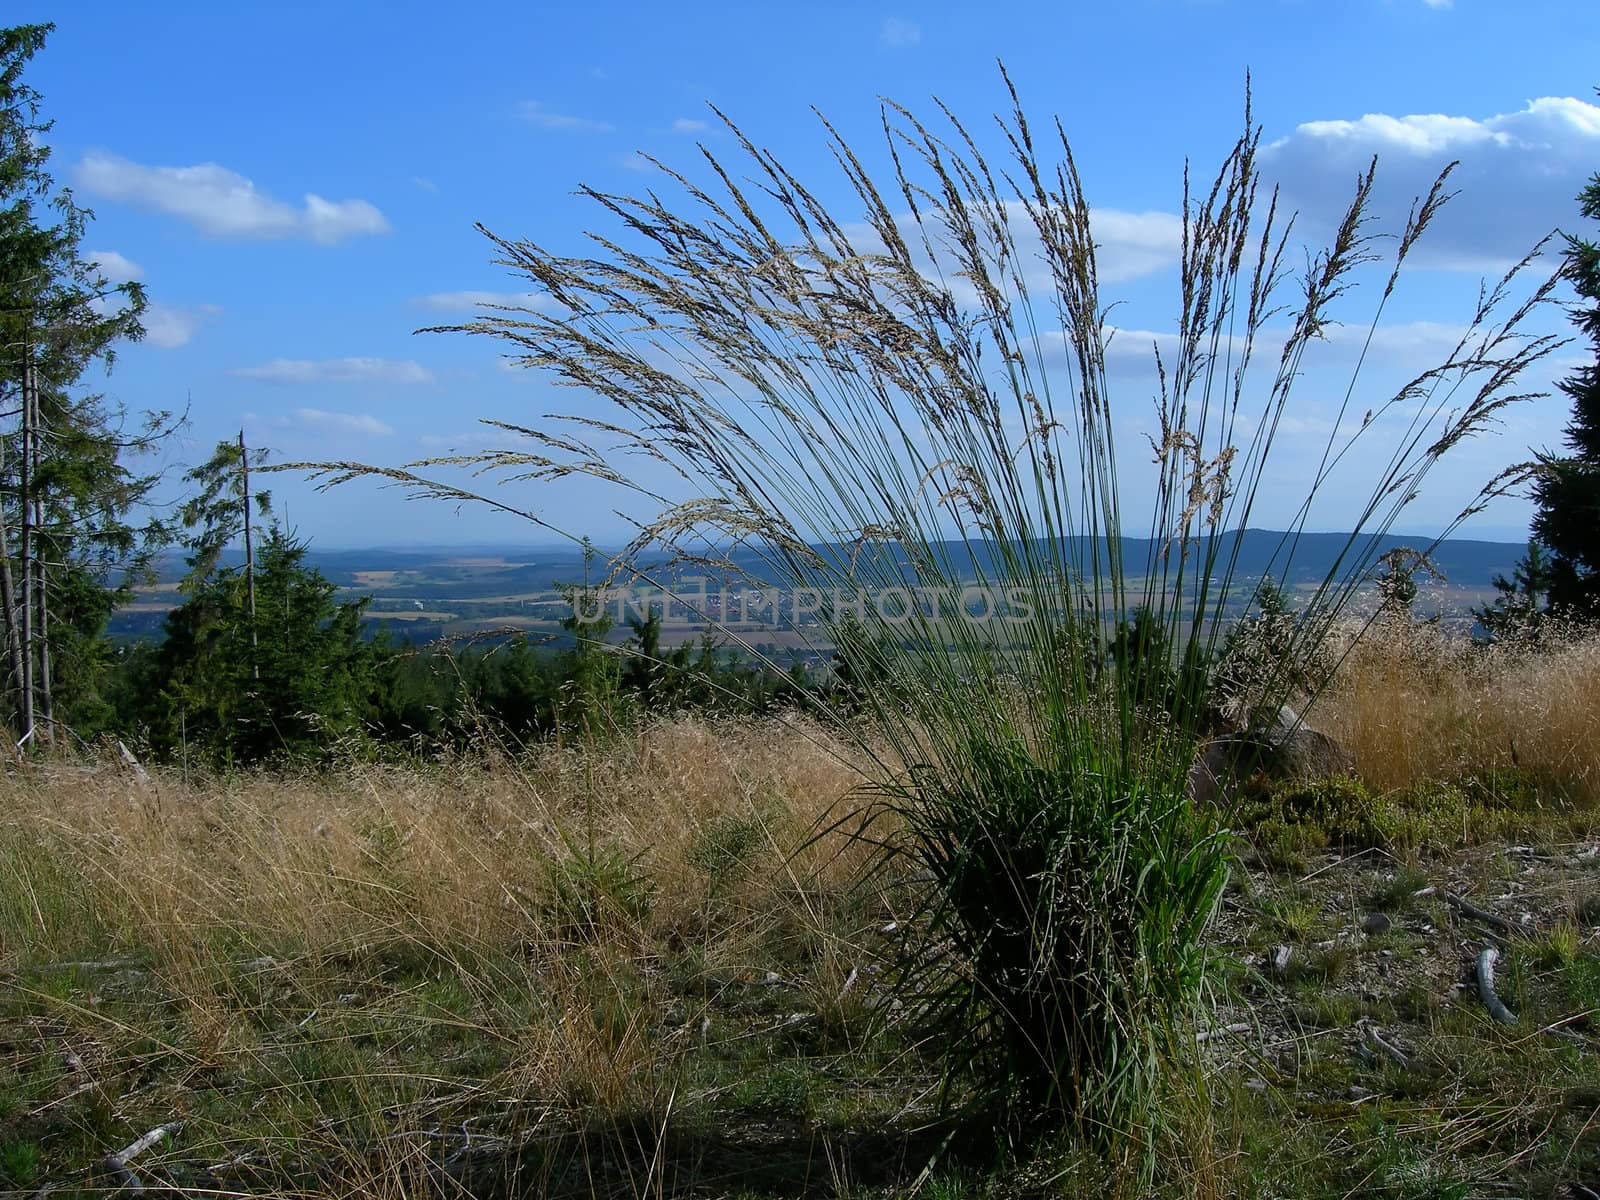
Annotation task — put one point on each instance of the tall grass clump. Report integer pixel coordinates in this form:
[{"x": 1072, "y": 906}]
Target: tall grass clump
[{"x": 908, "y": 413}]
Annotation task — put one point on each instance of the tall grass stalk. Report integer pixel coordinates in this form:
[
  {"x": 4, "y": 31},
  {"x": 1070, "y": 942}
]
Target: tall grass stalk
[{"x": 922, "y": 400}]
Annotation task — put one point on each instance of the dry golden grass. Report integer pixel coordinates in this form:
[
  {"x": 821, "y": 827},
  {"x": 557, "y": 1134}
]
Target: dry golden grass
[
  {"x": 456, "y": 856},
  {"x": 359, "y": 944},
  {"x": 1417, "y": 705},
  {"x": 336, "y": 974}
]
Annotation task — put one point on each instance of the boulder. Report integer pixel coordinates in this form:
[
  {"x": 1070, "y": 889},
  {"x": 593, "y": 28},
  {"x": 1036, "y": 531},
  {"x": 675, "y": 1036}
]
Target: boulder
[{"x": 1285, "y": 748}]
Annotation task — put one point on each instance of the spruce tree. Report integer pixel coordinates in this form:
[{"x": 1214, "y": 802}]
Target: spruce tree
[
  {"x": 295, "y": 683},
  {"x": 67, "y": 491},
  {"x": 1567, "y": 489},
  {"x": 1519, "y": 607}
]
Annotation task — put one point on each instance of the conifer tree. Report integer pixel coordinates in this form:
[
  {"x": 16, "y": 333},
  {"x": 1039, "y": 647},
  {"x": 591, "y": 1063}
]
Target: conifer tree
[
  {"x": 67, "y": 491},
  {"x": 1567, "y": 490}
]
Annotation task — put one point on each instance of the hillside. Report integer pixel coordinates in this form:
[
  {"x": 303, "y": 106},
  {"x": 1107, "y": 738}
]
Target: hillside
[{"x": 428, "y": 592}]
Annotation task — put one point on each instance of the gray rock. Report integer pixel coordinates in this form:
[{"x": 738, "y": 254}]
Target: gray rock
[
  {"x": 1282, "y": 749},
  {"x": 1375, "y": 923}
]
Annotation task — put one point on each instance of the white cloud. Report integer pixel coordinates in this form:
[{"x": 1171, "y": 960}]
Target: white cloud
[
  {"x": 338, "y": 370},
  {"x": 537, "y": 114},
  {"x": 165, "y": 325},
  {"x": 1128, "y": 245},
  {"x": 168, "y": 326},
  {"x": 335, "y": 422},
  {"x": 1517, "y": 180},
  {"x": 224, "y": 203},
  {"x": 900, "y": 33},
  {"x": 115, "y": 267},
  {"x": 1137, "y": 345},
  {"x": 1409, "y": 346},
  {"x": 1438, "y": 3},
  {"x": 689, "y": 125},
  {"x": 1424, "y": 134},
  {"x": 1298, "y": 426},
  {"x": 468, "y": 301}
]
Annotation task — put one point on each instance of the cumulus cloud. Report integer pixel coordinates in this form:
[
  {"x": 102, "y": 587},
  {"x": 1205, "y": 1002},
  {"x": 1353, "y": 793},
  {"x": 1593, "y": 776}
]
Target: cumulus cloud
[
  {"x": 689, "y": 125},
  {"x": 165, "y": 325},
  {"x": 169, "y": 326},
  {"x": 1517, "y": 180},
  {"x": 1407, "y": 346},
  {"x": 1294, "y": 425},
  {"x": 900, "y": 33},
  {"x": 115, "y": 267},
  {"x": 338, "y": 370},
  {"x": 1128, "y": 245},
  {"x": 538, "y": 115},
  {"x": 467, "y": 301},
  {"x": 1129, "y": 345},
  {"x": 224, "y": 203},
  {"x": 1412, "y": 344}
]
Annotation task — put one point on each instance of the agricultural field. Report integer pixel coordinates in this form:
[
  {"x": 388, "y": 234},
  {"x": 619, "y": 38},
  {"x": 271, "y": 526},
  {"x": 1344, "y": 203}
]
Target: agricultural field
[{"x": 424, "y": 595}]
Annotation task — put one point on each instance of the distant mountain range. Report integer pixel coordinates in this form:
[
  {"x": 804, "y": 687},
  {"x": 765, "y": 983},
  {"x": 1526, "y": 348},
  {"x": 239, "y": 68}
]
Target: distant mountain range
[{"x": 468, "y": 570}]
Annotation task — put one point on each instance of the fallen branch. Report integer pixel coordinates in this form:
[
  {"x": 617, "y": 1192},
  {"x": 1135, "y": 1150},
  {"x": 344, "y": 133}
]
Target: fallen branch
[
  {"x": 1394, "y": 1052},
  {"x": 850, "y": 982},
  {"x": 1237, "y": 1027},
  {"x": 117, "y": 1164},
  {"x": 1467, "y": 909},
  {"x": 132, "y": 763},
  {"x": 1486, "y": 991},
  {"x": 101, "y": 964}
]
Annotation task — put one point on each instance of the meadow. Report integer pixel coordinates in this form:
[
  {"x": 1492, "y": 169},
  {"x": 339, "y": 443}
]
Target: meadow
[
  {"x": 951, "y": 917},
  {"x": 657, "y": 961}
]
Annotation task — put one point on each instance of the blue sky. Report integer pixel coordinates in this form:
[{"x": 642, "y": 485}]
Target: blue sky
[{"x": 297, "y": 184}]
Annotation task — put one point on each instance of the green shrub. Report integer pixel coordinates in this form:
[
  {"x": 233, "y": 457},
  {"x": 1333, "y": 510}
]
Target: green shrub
[
  {"x": 1288, "y": 820},
  {"x": 19, "y": 1162},
  {"x": 596, "y": 887},
  {"x": 726, "y": 845}
]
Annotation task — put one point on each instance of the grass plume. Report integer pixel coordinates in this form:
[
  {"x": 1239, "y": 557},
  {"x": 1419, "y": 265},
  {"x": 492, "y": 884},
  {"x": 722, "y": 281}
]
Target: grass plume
[{"x": 921, "y": 400}]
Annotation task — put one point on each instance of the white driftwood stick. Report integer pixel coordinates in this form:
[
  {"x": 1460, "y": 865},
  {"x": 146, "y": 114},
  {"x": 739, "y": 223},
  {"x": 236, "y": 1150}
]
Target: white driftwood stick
[
  {"x": 117, "y": 1163},
  {"x": 1393, "y": 1051},
  {"x": 1238, "y": 1027},
  {"x": 132, "y": 763},
  {"x": 849, "y": 983},
  {"x": 1486, "y": 991}
]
